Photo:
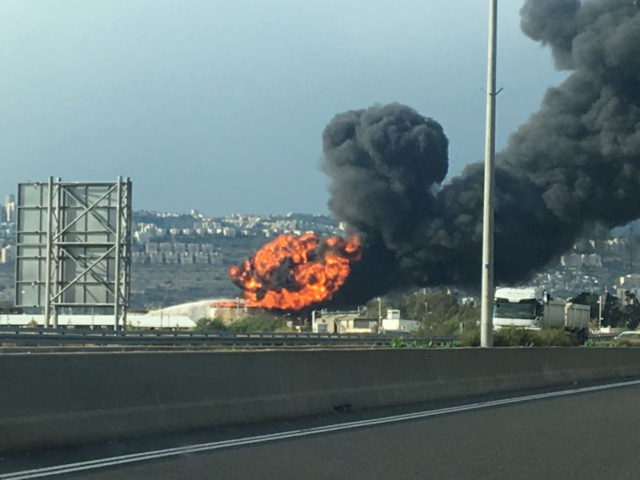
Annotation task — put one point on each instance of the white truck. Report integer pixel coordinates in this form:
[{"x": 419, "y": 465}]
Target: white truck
[{"x": 534, "y": 309}]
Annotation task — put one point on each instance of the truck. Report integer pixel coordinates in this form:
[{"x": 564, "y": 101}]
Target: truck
[{"x": 533, "y": 308}]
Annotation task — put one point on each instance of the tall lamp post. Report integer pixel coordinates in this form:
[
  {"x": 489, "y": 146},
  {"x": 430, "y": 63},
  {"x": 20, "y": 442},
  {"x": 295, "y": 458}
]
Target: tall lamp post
[{"x": 486, "y": 319}]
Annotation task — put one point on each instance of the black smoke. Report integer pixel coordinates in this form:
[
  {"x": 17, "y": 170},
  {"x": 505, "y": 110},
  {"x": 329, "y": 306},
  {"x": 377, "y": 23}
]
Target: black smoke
[{"x": 575, "y": 163}]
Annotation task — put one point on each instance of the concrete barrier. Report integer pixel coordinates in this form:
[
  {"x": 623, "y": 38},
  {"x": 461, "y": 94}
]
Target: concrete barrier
[{"x": 58, "y": 399}]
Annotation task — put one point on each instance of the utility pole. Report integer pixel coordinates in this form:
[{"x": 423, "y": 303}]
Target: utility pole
[
  {"x": 601, "y": 301},
  {"x": 631, "y": 252},
  {"x": 237, "y": 307},
  {"x": 486, "y": 319}
]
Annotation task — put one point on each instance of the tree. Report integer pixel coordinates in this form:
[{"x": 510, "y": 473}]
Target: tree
[
  {"x": 611, "y": 311},
  {"x": 630, "y": 311},
  {"x": 437, "y": 311},
  {"x": 206, "y": 323},
  {"x": 374, "y": 306},
  {"x": 258, "y": 323},
  {"x": 591, "y": 299}
]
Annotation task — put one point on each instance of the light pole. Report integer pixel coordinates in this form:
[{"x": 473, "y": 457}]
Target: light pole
[
  {"x": 486, "y": 318},
  {"x": 601, "y": 301}
]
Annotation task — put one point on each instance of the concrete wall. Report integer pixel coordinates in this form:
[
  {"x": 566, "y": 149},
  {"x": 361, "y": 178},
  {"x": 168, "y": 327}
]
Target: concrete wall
[{"x": 70, "y": 398}]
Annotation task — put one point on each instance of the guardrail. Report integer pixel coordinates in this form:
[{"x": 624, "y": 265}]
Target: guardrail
[
  {"x": 602, "y": 336},
  {"x": 84, "y": 337}
]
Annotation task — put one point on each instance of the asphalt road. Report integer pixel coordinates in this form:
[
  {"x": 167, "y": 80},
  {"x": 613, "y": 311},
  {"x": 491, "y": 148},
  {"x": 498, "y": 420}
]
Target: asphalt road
[{"x": 583, "y": 436}]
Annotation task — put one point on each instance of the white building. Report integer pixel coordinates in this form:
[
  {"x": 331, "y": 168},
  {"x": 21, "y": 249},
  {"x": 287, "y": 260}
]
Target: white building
[
  {"x": 580, "y": 259},
  {"x": 393, "y": 323},
  {"x": 9, "y": 209},
  {"x": 7, "y": 254},
  {"x": 342, "y": 322},
  {"x": 353, "y": 322}
]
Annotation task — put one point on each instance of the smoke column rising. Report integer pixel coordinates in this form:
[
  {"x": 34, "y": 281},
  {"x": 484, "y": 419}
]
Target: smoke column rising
[{"x": 574, "y": 163}]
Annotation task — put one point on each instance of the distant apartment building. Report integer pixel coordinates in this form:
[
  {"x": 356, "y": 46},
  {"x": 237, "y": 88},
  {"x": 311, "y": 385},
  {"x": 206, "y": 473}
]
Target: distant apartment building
[
  {"x": 229, "y": 232},
  {"x": 628, "y": 283},
  {"x": 631, "y": 281},
  {"x": 616, "y": 246},
  {"x": 8, "y": 213},
  {"x": 7, "y": 254},
  {"x": 581, "y": 259},
  {"x": 177, "y": 253},
  {"x": 147, "y": 231}
]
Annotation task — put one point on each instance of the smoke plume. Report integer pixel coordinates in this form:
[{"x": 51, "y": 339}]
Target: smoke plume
[{"x": 574, "y": 163}]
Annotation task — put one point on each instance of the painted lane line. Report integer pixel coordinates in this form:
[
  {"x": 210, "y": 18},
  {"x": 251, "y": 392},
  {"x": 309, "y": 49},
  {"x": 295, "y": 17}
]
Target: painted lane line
[{"x": 168, "y": 452}]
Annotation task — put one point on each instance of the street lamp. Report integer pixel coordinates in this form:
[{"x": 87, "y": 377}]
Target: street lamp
[{"x": 486, "y": 318}]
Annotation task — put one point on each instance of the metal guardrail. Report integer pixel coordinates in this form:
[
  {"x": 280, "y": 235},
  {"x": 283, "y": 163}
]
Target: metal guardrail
[
  {"x": 84, "y": 337},
  {"x": 602, "y": 336}
]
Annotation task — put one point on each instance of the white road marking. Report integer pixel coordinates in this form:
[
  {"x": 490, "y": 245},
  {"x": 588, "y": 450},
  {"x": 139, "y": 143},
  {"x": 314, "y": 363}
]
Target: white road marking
[{"x": 305, "y": 432}]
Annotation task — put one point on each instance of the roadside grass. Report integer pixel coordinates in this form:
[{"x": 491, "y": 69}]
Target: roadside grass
[{"x": 505, "y": 337}]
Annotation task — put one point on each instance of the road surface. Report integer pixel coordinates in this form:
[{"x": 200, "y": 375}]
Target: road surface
[{"x": 583, "y": 435}]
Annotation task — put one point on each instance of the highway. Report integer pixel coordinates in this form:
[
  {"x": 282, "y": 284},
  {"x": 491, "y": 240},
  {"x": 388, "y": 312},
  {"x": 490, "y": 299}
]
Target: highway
[{"x": 576, "y": 433}]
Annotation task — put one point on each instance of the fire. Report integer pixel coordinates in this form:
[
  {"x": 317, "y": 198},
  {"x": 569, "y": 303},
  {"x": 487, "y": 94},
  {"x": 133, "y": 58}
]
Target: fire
[{"x": 292, "y": 272}]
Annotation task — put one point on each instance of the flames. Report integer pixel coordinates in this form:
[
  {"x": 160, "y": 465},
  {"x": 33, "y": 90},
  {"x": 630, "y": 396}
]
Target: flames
[{"x": 292, "y": 272}]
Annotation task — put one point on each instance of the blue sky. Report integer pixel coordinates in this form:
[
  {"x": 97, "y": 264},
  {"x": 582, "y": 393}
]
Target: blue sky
[{"x": 220, "y": 105}]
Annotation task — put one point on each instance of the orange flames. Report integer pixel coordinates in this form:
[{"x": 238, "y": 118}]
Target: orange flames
[{"x": 292, "y": 272}]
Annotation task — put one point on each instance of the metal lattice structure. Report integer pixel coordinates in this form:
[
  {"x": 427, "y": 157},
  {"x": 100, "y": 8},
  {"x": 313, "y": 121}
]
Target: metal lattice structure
[{"x": 74, "y": 248}]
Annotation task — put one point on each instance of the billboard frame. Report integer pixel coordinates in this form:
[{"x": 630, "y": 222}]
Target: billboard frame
[{"x": 74, "y": 248}]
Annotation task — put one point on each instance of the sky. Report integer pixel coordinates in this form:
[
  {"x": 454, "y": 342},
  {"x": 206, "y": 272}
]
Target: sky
[{"x": 219, "y": 106}]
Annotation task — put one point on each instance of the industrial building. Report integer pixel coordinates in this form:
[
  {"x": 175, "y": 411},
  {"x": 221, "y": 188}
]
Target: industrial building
[
  {"x": 233, "y": 310},
  {"x": 134, "y": 320},
  {"x": 394, "y": 324},
  {"x": 353, "y": 322}
]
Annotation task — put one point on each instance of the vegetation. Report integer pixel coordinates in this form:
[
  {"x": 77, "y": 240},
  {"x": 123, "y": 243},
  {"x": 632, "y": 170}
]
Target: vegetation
[
  {"x": 443, "y": 312},
  {"x": 252, "y": 324},
  {"x": 437, "y": 312},
  {"x": 519, "y": 337},
  {"x": 400, "y": 342},
  {"x": 522, "y": 337},
  {"x": 211, "y": 324},
  {"x": 258, "y": 323},
  {"x": 506, "y": 337},
  {"x": 616, "y": 312}
]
